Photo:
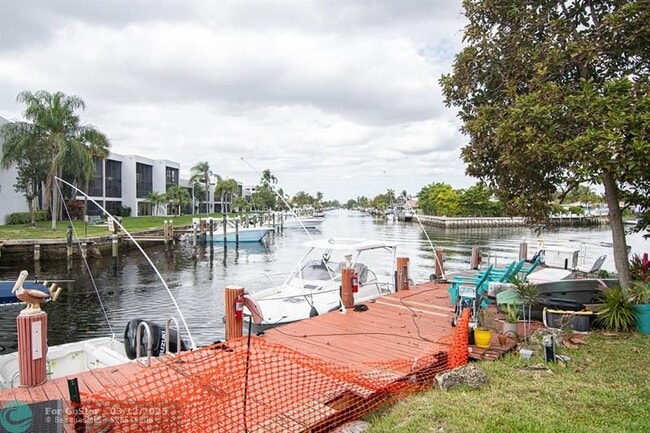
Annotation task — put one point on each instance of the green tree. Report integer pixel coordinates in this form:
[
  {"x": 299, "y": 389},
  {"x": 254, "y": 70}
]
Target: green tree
[
  {"x": 226, "y": 189},
  {"x": 201, "y": 172},
  {"x": 178, "y": 197},
  {"x": 477, "y": 201},
  {"x": 156, "y": 199},
  {"x": 240, "y": 204},
  {"x": 301, "y": 198},
  {"x": 32, "y": 163},
  {"x": 439, "y": 199},
  {"x": 53, "y": 119},
  {"x": 555, "y": 94},
  {"x": 264, "y": 195}
]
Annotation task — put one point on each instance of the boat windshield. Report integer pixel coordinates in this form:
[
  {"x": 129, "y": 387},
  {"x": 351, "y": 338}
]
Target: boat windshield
[{"x": 316, "y": 270}]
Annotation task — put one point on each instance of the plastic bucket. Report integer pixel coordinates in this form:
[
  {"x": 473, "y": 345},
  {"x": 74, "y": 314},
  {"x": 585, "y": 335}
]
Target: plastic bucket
[
  {"x": 482, "y": 337},
  {"x": 643, "y": 318}
]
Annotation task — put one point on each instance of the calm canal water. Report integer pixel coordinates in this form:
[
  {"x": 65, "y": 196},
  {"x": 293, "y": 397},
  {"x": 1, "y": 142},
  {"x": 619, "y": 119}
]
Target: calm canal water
[{"x": 134, "y": 290}]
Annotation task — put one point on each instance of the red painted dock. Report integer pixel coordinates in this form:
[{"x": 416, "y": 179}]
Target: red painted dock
[{"x": 307, "y": 376}]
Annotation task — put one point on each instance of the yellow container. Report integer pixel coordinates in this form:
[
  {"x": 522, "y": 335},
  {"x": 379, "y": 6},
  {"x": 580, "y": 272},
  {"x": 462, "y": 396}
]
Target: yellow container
[{"x": 482, "y": 337}]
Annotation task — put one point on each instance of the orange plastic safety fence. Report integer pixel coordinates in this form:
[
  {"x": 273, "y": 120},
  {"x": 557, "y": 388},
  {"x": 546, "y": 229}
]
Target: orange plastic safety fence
[
  {"x": 265, "y": 388},
  {"x": 459, "y": 354}
]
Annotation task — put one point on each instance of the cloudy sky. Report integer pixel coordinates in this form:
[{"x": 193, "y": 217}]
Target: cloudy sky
[{"x": 340, "y": 97}]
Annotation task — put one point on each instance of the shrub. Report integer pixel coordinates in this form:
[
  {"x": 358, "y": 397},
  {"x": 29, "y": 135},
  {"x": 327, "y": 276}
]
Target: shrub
[
  {"x": 75, "y": 209},
  {"x": 23, "y": 217},
  {"x": 617, "y": 311}
]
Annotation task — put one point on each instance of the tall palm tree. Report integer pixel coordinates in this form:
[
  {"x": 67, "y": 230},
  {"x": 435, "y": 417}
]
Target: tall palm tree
[
  {"x": 54, "y": 120},
  {"x": 224, "y": 188},
  {"x": 201, "y": 173}
]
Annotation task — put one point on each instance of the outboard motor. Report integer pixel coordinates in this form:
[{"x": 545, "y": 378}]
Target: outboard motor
[{"x": 158, "y": 338}]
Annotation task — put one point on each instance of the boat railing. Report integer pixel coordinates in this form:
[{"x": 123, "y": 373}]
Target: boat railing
[
  {"x": 138, "y": 338},
  {"x": 168, "y": 335}
]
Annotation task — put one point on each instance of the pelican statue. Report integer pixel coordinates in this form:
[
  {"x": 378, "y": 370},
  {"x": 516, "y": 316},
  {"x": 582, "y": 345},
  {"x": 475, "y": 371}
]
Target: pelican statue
[{"x": 33, "y": 298}]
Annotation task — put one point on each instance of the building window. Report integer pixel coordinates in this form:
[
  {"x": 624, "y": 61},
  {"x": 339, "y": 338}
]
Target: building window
[
  {"x": 144, "y": 180},
  {"x": 113, "y": 207},
  {"x": 172, "y": 177},
  {"x": 95, "y": 189},
  {"x": 113, "y": 178}
]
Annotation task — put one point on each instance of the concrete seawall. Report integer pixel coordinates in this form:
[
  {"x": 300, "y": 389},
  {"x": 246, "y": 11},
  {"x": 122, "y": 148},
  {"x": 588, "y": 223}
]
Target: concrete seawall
[{"x": 451, "y": 222}]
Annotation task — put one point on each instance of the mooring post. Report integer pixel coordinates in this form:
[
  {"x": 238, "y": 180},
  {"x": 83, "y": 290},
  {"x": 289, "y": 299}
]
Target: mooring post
[
  {"x": 234, "y": 320},
  {"x": 37, "y": 252},
  {"x": 68, "y": 248},
  {"x": 236, "y": 233},
  {"x": 475, "y": 259},
  {"x": 114, "y": 249},
  {"x": 32, "y": 348},
  {"x": 211, "y": 239},
  {"x": 440, "y": 267},
  {"x": 523, "y": 250},
  {"x": 402, "y": 273},
  {"x": 194, "y": 235},
  {"x": 347, "y": 297}
]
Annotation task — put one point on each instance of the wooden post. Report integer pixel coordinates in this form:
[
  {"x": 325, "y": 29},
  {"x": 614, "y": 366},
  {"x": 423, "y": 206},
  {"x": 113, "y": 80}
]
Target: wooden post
[
  {"x": 114, "y": 249},
  {"x": 194, "y": 236},
  {"x": 68, "y": 246},
  {"x": 32, "y": 348},
  {"x": 234, "y": 327},
  {"x": 402, "y": 273},
  {"x": 211, "y": 239},
  {"x": 440, "y": 267},
  {"x": 237, "y": 233},
  {"x": 475, "y": 259},
  {"x": 346, "y": 288},
  {"x": 37, "y": 252},
  {"x": 523, "y": 249}
]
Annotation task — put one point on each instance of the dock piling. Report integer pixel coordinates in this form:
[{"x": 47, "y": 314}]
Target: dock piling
[
  {"x": 347, "y": 297},
  {"x": 234, "y": 322},
  {"x": 475, "y": 259},
  {"x": 402, "y": 274}
]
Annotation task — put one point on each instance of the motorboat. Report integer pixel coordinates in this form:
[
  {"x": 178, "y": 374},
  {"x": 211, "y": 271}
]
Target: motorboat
[
  {"x": 313, "y": 286},
  {"x": 302, "y": 222},
  {"x": 245, "y": 234},
  {"x": 234, "y": 232},
  {"x": 88, "y": 354}
]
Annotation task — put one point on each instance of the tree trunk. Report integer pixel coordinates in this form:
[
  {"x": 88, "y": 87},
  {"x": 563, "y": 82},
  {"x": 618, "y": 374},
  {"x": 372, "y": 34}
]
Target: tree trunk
[
  {"x": 54, "y": 206},
  {"x": 618, "y": 231},
  {"x": 32, "y": 217}
]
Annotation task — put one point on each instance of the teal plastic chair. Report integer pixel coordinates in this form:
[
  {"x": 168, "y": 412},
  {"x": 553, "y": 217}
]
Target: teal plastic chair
[
  {"x": 525, "y": 271},
  {"x": 479, "y": 283}
]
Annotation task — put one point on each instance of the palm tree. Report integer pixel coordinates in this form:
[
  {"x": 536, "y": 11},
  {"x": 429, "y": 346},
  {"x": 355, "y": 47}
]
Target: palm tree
[
  {"x": 65, "y": 140},
  {"x": 226, "y": 187},
  {"x": 178, "y": 197},
  {"x": 156, "y": 199},
  {"x": 201, "y": 173}
]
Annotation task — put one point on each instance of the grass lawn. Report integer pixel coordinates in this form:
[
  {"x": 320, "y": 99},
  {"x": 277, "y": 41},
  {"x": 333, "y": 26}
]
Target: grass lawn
[
  {"x": 604, "y": 388},
  {"x": 132, "y": 224}
]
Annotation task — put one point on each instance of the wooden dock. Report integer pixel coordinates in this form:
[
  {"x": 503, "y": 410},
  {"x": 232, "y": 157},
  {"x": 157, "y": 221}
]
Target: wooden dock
[{"x": 401, "y": 338}]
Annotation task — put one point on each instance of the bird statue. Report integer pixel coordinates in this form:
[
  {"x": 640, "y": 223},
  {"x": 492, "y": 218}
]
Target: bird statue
[{"x": 32, "y": 297}]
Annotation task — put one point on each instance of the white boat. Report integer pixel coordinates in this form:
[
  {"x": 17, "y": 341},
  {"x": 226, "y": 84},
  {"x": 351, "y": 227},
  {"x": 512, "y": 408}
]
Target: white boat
[
  {"x": 246, "y": 234},
  {"x": 302, "y": 222},
  {"x": 67, "y": 359},
  {"x": 313, "y": 286}
]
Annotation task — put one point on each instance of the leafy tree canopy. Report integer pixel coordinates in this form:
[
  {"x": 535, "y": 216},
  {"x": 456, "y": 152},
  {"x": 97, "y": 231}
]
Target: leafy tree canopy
[{"x": 555, "y": 94}]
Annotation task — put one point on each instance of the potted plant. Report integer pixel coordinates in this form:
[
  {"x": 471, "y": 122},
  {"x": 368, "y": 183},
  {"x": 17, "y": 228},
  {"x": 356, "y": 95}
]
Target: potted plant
[
  {"x": 527, "y": 293},
  {"x": 483, "y": 332},
  {"x": 640, "y": 291},
  {"x": 512, "y": 321}
]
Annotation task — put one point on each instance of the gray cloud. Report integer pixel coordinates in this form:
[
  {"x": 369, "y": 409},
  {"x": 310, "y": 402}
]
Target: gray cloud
[{"x": 310, "y": 86}]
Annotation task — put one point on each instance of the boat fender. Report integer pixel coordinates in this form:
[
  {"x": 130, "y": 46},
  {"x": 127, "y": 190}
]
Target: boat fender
[{"x": 158, "y": 338}]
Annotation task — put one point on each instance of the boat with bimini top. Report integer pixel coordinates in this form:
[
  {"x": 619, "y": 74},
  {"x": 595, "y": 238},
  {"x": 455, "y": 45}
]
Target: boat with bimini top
[{"x": 313, "y": 286}]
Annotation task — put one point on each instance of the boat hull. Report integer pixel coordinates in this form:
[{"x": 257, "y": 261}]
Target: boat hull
[{"x": 245, "y": 235}]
